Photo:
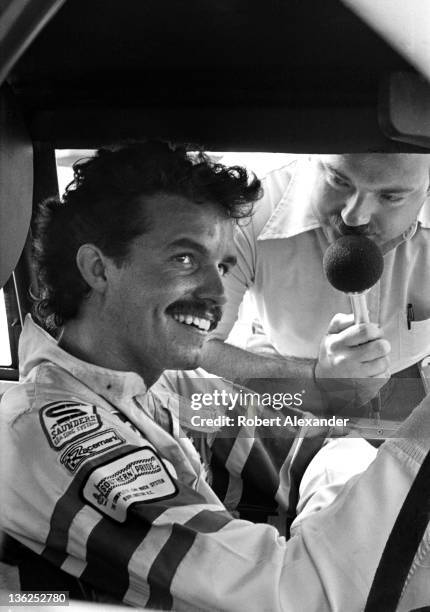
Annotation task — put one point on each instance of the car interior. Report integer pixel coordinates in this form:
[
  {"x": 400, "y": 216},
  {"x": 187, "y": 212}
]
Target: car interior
[{"x": 242, "y": 77}]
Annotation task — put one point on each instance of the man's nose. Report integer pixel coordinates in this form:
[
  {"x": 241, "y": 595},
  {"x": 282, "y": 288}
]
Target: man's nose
[
  {"x": 211, "y": 286},
  {"x": 357, "y": 209}
]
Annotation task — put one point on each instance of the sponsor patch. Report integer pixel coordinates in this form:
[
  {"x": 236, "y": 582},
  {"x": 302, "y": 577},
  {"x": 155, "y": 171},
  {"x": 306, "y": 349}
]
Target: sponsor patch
[
  {"x": 98, "y": 443},
  {"x": 140, "y": 476},
  {"x": 64, "y": 422}
]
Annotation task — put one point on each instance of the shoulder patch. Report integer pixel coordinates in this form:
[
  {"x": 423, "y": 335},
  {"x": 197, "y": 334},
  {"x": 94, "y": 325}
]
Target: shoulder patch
[
  {"x": 79, "y": 452},
  {"x": 64, "y": 422},
  {"x": 140, "y": 476}
]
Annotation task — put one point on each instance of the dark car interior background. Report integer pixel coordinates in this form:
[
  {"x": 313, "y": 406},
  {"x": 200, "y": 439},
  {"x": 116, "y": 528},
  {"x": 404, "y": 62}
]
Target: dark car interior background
[{"x": 279, "y": 76}]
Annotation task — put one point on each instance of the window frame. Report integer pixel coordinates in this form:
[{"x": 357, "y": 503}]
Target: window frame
[{"x": 14, "y": 326}]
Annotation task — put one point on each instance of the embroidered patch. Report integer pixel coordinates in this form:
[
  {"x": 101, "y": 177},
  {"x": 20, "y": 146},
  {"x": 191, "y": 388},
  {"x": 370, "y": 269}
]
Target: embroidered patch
[
  {"x": 64, "y": 422},
  {"x": 140, "y": 476},
  {"x": 98, "y": 443}
]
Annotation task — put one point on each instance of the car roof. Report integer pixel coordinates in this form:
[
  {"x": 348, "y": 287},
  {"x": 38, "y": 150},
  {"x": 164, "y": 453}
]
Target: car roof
[{"x": 268, "y": 75}]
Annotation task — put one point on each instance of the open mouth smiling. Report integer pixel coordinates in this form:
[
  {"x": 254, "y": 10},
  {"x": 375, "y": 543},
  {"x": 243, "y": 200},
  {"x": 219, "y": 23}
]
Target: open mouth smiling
[
  {"x": 203, "y": 319},
  {"x": 200, "y": 323}
]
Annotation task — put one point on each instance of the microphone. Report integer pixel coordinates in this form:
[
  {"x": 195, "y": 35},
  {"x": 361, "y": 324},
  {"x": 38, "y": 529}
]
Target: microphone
[{"x": 353, "y": 264}]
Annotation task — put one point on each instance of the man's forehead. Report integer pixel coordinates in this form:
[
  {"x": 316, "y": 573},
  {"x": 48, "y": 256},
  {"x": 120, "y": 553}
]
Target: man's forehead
[
  {"x": 388, "y": 159},
  {"x": 382, "y": 166},
  {"x": 177, "y": 222}
]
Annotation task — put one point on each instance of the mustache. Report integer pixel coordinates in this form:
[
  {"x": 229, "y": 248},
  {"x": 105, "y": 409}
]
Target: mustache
[
  {"x": 338, "y": 223},
  {"x": 199, "y": 308}
]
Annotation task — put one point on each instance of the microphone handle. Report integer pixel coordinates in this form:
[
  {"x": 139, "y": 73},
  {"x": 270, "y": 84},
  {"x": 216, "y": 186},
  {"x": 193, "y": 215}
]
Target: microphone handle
[
  {"x": 361, "y": 315},
  {"x": 359, "y": 307}
]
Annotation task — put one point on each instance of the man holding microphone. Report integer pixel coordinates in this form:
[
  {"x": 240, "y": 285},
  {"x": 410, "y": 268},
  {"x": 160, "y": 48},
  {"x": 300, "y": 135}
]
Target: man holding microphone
[{"x": 303, "y": 329}]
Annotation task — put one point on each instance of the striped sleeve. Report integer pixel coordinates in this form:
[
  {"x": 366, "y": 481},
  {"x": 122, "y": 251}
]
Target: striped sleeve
[
  {"x": 256, "y": 471},
  {"x": 109, "y": 507},
  {"x": 99, "y": 501}
]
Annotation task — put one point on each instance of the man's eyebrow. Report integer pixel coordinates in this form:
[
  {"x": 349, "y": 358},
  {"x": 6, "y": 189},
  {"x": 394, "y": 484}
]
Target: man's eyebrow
[
  {"x": 396, "y": 189},
  {"x": 231, "y": 260},
  {"x": 189, "y": 243},
  {"x": 388, "y": 189},
  {"x": 336, "y": 171}
]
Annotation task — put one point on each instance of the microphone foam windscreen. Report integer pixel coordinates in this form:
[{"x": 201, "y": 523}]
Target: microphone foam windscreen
[{"x": 353, "y": 264}]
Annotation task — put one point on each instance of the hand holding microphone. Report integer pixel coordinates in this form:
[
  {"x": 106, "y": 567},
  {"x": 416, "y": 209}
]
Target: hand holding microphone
[{"x": 353, "y": 347}]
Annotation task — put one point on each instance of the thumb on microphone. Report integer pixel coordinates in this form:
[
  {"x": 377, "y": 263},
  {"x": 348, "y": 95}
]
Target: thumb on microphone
[{"x": 339, "y": 322}]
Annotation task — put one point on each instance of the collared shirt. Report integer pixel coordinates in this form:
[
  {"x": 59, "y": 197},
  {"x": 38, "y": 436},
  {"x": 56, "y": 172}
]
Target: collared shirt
[
  {"x": 94, "y": 484},
  {"x": 280, "y": 254}
]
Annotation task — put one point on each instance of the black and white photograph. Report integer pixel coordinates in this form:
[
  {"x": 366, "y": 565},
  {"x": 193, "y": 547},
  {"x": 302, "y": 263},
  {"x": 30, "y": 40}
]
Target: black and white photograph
[{"x": 215, "y": 305}]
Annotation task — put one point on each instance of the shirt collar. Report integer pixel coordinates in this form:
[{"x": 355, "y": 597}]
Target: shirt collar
[
  {"x": 293, "y": 214},
  {"x": 37, "y": 346},
  {"x": 290, "y": 219},
  {"x": 424, "y": 215}
]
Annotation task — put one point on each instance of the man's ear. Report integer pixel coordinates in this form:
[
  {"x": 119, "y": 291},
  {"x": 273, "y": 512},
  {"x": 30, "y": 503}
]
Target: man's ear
[{"x": 92, "y": 265}]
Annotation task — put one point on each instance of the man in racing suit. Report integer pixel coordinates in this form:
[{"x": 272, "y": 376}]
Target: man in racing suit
[{"x": 97, "y": 475}]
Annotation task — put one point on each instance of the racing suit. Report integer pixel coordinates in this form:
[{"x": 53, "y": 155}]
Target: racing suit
[{"x": 98, "y": 478}]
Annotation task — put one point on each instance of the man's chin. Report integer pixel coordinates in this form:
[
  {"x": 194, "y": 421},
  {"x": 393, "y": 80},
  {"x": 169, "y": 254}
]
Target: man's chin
[{"x": 189, "y": 361}]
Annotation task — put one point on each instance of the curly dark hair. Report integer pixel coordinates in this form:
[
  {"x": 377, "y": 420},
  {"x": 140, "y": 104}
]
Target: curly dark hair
[{"x": 99, "y": 207}]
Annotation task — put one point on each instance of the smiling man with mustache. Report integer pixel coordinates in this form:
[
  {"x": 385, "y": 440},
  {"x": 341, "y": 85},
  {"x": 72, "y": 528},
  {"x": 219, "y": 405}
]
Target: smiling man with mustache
[{"x": 100, "y": 482}]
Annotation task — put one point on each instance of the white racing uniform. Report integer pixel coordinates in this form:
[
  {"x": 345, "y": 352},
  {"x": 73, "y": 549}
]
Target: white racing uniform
[{"x": 97, "y": 478}]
